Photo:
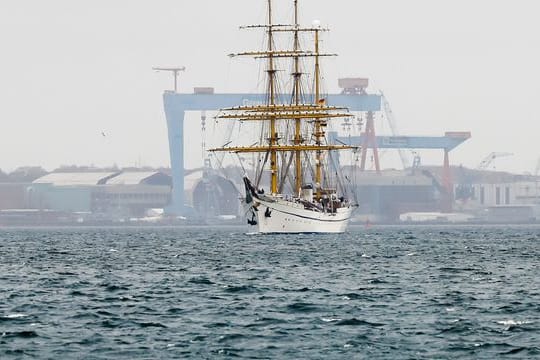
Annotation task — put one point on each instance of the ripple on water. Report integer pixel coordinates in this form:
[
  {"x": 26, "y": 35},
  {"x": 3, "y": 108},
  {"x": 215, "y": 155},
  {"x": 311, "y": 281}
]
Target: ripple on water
[
  {"x": 302, "y": 307},
  {"x": 200, "y": 280},
  {"x": 240, "y": 289},
  {"x": 12, "y": 317},
  {"x": 357, "y": 322},
  {"x": 23, "y": 334}
]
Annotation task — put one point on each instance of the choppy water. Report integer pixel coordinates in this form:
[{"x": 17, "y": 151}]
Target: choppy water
[{"x": 217, "y": 293}]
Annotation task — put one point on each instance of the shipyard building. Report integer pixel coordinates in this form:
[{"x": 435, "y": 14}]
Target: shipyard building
[{"x": 101, "y": 194}]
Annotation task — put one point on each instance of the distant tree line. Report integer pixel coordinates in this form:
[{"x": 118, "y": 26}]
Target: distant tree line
[{"x": 24, "y": 174}]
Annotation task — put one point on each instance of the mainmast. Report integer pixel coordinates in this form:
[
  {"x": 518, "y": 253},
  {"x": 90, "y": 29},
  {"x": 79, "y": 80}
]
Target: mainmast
[
  {"x": 272, "y": 101},
  {"x": 297, "y": 122}
]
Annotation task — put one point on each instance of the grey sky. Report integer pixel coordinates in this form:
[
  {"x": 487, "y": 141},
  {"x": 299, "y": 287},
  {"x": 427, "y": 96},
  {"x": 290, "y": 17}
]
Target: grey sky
[{"x": 72, "y": 69}]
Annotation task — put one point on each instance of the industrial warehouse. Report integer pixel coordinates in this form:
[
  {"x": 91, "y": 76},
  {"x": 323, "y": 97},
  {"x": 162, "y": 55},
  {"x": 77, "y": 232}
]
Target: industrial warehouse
[{"x": 98, "y": 196}]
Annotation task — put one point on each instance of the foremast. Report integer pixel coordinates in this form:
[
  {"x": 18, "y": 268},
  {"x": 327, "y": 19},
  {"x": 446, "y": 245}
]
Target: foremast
[{"x": 272, "y": 101}]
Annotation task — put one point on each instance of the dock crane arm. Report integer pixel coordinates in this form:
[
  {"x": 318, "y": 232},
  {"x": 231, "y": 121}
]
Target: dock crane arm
[{"x": 484, "y": 164}]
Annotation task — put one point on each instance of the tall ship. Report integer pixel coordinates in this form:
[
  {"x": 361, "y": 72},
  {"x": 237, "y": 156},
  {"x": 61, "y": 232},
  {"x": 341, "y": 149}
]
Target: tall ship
[{"x": 306, "y": 191}]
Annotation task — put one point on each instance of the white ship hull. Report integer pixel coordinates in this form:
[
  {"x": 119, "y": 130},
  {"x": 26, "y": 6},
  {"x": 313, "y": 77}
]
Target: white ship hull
[{"x": 281, "y": 216}]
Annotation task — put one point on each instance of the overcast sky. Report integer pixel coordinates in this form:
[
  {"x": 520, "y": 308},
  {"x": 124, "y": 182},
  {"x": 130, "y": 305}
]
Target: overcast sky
[{"x": 72, "y": 69}]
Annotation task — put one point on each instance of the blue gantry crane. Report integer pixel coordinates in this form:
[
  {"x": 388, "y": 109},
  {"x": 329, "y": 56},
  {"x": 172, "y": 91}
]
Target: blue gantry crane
[
  {"x": 353, "y": 96},
  {"x": 177, "y": 104}
]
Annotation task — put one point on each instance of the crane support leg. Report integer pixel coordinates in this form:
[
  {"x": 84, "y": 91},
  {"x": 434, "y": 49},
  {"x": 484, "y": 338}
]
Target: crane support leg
[
  {"x": 448, "y": 197},
  {"x": 370, "y": 141}
]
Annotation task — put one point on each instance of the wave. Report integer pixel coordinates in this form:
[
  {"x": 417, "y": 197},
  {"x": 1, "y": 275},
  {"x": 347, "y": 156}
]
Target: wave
[{"x": 357, "y": 322}]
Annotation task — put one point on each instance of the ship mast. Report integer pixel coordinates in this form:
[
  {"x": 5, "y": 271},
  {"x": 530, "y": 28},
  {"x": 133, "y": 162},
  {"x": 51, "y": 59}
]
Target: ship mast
[
  {"x": 272, "y": 101},
  {"x": 297, "y": 122},
  {"x": 318, "y": 123}
]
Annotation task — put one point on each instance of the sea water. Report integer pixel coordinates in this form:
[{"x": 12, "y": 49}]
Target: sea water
[{"x": 382, "y": 292}]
